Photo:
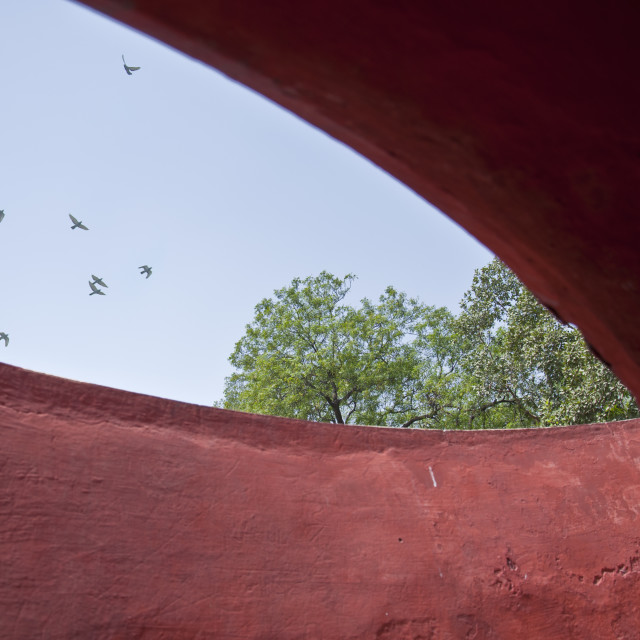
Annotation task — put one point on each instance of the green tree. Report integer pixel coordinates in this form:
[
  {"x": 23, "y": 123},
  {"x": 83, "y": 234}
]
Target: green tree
[
  {"x": 308, "y": 355},
  {"x": 523, "y": 367},
  {"x": 503, "y": 362}
]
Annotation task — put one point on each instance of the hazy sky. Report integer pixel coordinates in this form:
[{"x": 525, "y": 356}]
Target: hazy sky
[{"x": 225, "y": 195}]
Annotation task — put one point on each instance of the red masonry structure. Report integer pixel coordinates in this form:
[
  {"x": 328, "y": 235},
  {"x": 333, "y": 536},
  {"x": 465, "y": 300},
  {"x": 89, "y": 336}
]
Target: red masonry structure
[{"x": 124, "y": 516}]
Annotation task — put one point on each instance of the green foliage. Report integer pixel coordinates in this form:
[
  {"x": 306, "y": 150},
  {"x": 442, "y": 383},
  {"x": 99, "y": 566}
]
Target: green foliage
[
  {"x": 503, "y": 362},
  {"x": 306, "y": 355},
  {"x": 523, "y": 367}
]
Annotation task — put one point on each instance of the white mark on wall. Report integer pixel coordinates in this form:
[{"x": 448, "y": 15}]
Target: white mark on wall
[{"x": 433, "y": 478}]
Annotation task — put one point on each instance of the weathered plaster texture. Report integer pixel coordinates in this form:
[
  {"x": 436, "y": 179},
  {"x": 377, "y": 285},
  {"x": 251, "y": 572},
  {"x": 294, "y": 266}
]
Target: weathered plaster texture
[
  {"x": 518, "y": 119},
  {"x": 124, "y": 516},
  {"x": 128, "y": 516}
]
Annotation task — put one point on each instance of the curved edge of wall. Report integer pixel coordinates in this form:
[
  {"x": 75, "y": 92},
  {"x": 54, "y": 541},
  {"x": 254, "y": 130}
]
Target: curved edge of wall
[
  {"x": 131, "y": 516},
  {"x": 517, "y": 120}
]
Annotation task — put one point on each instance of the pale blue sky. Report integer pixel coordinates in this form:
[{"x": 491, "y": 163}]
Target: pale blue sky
[{"x": 226, "y": 195}]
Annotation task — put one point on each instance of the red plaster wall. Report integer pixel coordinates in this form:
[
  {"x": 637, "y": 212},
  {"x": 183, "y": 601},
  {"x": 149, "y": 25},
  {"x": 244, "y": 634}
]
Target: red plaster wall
[
  {"x": 518, "y": 119},
  {"x": 124, "y": 516}
]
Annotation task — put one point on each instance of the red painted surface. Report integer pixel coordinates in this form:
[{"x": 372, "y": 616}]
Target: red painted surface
[
  {"x": 124, "y": 516},
  {"x": 518, "y": 119}
]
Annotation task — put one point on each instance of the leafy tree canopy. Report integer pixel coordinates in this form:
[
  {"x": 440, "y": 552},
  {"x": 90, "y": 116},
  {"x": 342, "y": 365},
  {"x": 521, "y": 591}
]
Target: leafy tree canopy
[
  {"x": 525, "y": 368},
  {"x": 308, "y": 355},
  {"x": 504, "y": 361}
]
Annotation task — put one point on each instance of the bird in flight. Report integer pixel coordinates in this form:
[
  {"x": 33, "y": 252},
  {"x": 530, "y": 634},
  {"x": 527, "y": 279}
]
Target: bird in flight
[
  {"x": 145, "y": 269},
  {"x": 95, "y": 289},
  {"x": 5, "y": 337},
  {"x": 127, "y": 68},
  {"x": 77, "y": 224},
  {"x": 1, "y": 214},
  {"x": 99, "y": 281}
]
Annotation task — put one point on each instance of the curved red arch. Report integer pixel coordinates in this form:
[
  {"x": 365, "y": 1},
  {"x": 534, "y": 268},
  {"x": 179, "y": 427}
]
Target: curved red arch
[
  {"x": 129, "y": 516},
  {"x": 519, "y": 121}
]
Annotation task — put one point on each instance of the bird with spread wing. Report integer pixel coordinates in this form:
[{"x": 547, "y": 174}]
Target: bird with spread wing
[
  {"x": 95, "y": 290},
  {"x": 127, "y": 68},
  {"x": 77, "y": 224}
]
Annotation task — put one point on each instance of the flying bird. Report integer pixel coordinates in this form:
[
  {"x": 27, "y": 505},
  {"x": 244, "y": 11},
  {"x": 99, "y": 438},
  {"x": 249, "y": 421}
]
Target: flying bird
[
  {"x": 145, "y": 269},
  {"x": 1, "y": 214},
  {"x": 77, "y": 224},
  {"x": 95, "y": 289},
  {"x": 127, "y": 68},
  {"x": 5, "y": 337},
  {"x": 99, "y": 281}
]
